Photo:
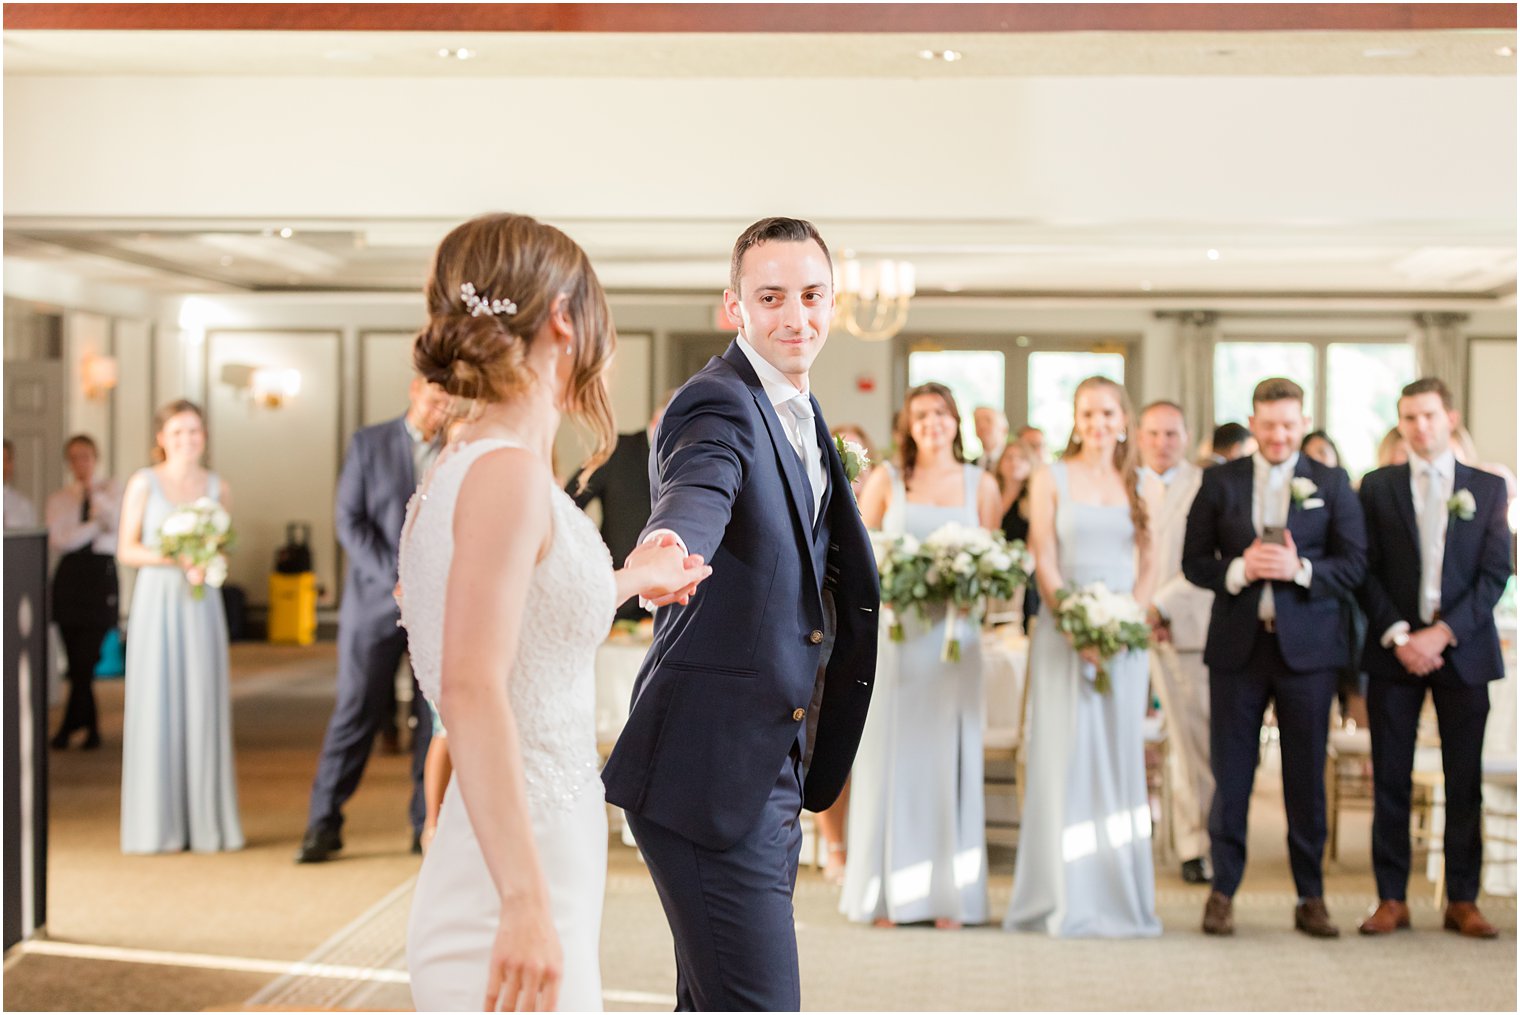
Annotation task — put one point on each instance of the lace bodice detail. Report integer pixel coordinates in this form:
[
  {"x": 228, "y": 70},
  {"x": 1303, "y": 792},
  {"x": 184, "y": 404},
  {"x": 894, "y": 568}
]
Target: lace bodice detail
[{"x": 570, "y": 604}]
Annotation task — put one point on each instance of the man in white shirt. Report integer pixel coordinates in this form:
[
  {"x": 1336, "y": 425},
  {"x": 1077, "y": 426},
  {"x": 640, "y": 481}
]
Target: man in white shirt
[
  {"x": 1279, "y": 539},
  {"x": 81, "y": 521},
  {"x": 1180, "y": 623},
  {"x": 752, "y": 698},
  {"x": 1437, "y": 562}
]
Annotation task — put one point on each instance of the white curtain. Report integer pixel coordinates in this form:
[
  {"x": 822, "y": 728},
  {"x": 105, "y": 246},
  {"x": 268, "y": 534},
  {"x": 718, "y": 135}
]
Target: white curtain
[
  {"x": 1440, "y": 348},
  {"x": 1197, "y": 331}
]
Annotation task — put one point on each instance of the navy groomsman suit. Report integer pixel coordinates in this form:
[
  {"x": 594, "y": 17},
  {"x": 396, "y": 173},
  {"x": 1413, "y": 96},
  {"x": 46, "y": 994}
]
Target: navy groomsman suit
[
  {"x": 1285, "y": 649},
  {"x": 378, "y": 478},
  {"x": 1463, "y": 585}
]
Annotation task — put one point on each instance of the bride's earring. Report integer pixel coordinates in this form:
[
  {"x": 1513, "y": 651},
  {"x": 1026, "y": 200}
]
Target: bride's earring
[{"x": 1123, "y": 437}]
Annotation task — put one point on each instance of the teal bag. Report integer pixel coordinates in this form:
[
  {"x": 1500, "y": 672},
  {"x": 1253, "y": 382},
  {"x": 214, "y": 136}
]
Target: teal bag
[{"x": 113, "y": 656}]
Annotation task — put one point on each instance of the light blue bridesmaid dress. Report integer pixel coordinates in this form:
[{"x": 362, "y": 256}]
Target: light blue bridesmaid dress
[
  {"x": 1084, "y": 864},
  {"x": 917, "y": 835},
  {"x": 178, "y": 787}
]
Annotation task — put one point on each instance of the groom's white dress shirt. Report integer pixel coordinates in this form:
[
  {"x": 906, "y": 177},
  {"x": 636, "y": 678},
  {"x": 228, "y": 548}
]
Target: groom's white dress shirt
[{"x": 1271, "y": 493}]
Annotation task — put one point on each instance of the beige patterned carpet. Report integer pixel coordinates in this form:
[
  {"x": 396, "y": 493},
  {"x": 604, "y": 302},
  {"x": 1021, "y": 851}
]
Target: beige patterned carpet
[{"x": 254, "y": 930}]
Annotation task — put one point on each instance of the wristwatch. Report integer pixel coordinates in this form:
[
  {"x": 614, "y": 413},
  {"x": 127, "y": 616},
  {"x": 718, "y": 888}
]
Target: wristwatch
[{"x": 1401, "y": 639}]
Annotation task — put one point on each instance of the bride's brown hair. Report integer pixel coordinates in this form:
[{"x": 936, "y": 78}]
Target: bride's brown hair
[{"x": 483, "y": 357}]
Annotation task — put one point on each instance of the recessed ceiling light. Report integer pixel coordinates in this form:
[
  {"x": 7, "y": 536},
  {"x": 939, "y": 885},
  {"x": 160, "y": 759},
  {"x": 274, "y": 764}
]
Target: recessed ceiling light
[
  {"x": 1145, "y": 286},
  {"x": 1212, "y": 255},
  {"x": 457, "y": 54},
  {"x": 1022, "y": 341},
  {"x": 1389, "y": 54},
  {"x": 287, "y": 233},
  {"x": 946, "y": 55},
  {"x": 1505, "y": 51}
]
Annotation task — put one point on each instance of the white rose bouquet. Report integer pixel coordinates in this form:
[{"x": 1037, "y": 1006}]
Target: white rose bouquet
[
  {"x": 199, "y": 533},
  {"x": 909, "y": 579},
  {"x": 1106, "y": 621},
  {"x": 973, "y": 566}
]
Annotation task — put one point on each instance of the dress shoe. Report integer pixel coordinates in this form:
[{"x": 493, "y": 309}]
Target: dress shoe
[
  {"x": 1219, "y": 915},
  {"x": 1195, "y": 871},
  {"x": 1313, "y": 919},
  {"x": 1464, "y": 918},
  {"x": 1389, "y": 916},
  {"x": 91, "y": 742},
  {"x": 319, "y": 844}
]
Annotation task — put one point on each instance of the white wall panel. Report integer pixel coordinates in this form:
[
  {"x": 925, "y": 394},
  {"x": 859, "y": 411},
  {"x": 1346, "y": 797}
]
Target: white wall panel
[
  {"x": 282, "y": 464},
  {"x": 385, "y": 373},
  {"x": 1491, "y": 399}
]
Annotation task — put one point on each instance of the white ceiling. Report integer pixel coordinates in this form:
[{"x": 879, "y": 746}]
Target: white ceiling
[{"x": 1014, "y": 201}]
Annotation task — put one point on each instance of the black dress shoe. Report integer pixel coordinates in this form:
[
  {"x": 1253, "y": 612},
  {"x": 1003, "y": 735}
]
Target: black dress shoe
[
  {"x": 92, "y": 741},
  {"x": 319, "y": 844},
  {"x": 1195, "y": 871}
]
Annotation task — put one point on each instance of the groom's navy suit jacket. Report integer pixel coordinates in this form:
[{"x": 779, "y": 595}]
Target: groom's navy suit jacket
[
  {"x": 1331, "y": 536},
  {"x": 725, "y": 689},
  {"x": 1474, "y": 571}
]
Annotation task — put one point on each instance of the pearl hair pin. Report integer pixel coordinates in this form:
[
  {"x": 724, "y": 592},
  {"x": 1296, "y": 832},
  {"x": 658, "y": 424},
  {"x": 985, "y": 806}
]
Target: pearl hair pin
[{"x": 478, "y": 305}]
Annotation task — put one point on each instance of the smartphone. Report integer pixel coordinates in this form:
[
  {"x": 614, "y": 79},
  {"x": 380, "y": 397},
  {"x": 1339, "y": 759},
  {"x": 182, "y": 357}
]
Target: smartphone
[{"x": 1273, "y": 534}]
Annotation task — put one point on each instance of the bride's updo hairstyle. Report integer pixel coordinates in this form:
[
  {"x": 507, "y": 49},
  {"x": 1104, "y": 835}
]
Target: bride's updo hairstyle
[{"x": 493, "y": 284}]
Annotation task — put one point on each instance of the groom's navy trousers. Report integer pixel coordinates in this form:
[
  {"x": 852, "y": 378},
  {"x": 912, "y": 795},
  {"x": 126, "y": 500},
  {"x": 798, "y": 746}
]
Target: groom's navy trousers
[{"x": 730, "y": 910}]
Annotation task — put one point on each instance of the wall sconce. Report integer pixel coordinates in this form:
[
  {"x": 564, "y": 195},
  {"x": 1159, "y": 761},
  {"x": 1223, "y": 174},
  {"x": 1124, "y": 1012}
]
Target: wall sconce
[
  {"x": 271, "y": 386},
  {"x": 97, "y": 374}
]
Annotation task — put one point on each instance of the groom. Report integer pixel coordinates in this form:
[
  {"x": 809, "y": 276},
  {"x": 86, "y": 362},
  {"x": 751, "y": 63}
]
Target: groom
[{"x": 750, "y": 703}]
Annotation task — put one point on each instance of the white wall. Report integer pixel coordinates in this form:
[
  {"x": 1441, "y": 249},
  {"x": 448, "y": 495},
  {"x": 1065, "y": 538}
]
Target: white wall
[{"x": 1046, "y": 149}]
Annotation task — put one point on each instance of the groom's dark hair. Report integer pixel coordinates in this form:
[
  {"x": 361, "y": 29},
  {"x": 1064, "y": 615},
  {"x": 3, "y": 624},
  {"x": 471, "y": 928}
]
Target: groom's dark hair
[{"x": 775, "y": 228}]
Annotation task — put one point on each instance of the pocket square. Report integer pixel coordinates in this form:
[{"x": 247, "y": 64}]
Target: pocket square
[{"x": 1312, "y": 503}]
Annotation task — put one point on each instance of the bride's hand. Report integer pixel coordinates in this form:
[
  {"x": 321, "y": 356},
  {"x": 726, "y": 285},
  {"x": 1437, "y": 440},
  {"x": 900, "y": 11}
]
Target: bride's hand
[
  {"x": 1091, "y": 656},
  {"x": 526, "y": 961},
  {"x": 664, "y": 573}
]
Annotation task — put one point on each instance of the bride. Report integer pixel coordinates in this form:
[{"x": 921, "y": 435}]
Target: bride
[{"x": 508, "y": 905}]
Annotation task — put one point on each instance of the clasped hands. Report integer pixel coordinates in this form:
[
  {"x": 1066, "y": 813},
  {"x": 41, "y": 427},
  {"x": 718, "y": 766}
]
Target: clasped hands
[
  {"x": 1270, "y": 561},
  {"x": 668, "y": 574},
  {"x": 1421, "y": 654}
]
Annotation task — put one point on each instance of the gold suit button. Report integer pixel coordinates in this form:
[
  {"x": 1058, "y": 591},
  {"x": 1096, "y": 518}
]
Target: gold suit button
[
  {"x": 799, "y": 715},
  {"x": 816, "y": 637}
]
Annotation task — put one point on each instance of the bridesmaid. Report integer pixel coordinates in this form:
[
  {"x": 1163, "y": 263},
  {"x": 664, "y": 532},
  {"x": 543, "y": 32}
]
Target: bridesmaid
[
  {"x": 1084, "y": 864},
  {"x": 917, "y": 835},
  {"x": 178, "y": 788}
]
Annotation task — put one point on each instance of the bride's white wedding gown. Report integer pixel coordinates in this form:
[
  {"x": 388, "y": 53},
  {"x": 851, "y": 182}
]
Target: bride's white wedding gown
[{"x": 552, "y": 685}]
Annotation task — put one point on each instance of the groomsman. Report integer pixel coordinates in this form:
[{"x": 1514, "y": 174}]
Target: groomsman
[
  {"x": 1279, "y": 539},
  {"x": 1438, "y": 559},
  {"x": 1180, "y": 622}
]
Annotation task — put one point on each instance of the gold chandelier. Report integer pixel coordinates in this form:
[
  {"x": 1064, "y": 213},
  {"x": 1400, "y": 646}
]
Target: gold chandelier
[{"x": 872, "y": 299}]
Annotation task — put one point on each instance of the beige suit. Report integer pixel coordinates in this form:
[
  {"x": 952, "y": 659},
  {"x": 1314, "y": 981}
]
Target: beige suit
[{"x": 1177, "y": 670}]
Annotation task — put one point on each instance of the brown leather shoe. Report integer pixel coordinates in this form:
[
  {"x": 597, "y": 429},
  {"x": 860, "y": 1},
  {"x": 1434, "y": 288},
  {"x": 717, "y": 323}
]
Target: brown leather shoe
[
  {"x": 1464, "y": 918},
  {"x": 1389, "y": 916},
  {"x": 1219, "y": 915},
  {"x": 1313, "y": 919}
]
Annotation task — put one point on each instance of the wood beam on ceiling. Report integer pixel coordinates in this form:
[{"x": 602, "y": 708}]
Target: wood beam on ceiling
[{"x": 939, "y": 18}]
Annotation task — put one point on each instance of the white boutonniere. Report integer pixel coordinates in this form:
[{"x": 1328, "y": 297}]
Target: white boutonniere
[
  {"x": 854, "y": 458},
  {"x": 1303, "y": 490},
  {"x": 1463, "y": 506}
]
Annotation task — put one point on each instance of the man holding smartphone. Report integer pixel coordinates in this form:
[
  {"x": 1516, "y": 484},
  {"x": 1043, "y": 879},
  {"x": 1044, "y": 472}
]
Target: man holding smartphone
[{"x": 1280, "y": 540}]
